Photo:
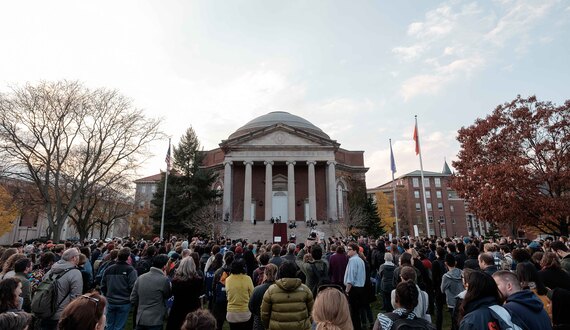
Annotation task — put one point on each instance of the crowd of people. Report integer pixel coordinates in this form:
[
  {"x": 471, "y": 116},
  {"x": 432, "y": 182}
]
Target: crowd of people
[{"x": 199, "y": 283}]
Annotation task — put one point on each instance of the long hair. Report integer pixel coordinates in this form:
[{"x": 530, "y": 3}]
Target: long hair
[
  {"x": 550, "y": 260},
  {"x": 82, "y": 313},
  {"x": 479, "y": 285},
  {"x": 11, "y": 261},
  {"x": 217, "y": 263},
  {"x": 270, "y": 273},
  {"x": 8, "y": 297},
  {"x": 7, "y": 254},
  {"x": 528, "y": 275},
  {"x": 186, "y": 270},
  {"x": 331, "y": 311}
]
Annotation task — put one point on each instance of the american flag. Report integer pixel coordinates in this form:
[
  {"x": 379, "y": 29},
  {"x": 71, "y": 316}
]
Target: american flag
[{"x": 167, "y": 159}]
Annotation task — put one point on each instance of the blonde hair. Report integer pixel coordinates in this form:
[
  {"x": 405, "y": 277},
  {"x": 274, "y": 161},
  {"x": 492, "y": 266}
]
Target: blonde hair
[
  {"x": 270, "y": 273},
  {"x": 331, "y": 311}
]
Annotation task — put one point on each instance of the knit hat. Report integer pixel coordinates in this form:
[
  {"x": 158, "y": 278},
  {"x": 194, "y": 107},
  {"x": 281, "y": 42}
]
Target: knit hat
[{"x": 239, "y": 250}]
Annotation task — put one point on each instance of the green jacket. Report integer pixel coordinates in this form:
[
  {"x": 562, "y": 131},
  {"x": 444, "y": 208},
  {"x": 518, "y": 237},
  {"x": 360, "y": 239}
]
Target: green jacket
[{"x": 287, "y": 304}]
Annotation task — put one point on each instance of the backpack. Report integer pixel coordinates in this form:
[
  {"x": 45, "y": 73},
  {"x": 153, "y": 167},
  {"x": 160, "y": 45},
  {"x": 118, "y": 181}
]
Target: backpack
[
  {"x": 404, "y": 323},
  {"x": 220, "y": 294},
  {"x": 504, "y": 318},
  {"x": 322, "y": 278},
  {"x": 45, "y": 301}
]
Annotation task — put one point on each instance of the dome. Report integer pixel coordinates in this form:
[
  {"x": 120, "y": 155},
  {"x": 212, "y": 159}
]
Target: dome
[{"x": 277, "y": 117}]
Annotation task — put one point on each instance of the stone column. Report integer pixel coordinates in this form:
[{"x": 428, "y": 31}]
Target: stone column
[
  {"x": 331, "y": 190},
  {"x": 247, "y": 192},
  {"x": 291, "y": 190},
  {"x": 268, "y": 189},
  {"x": 227, "y": 203},
  {"x": 312, "y": 191}
]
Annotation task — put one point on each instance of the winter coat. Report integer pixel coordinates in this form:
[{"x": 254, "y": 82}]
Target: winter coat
[
  {"x": 70, "y": 284},
  {"x": 118, "y": 282},
  {"x": 452, "y": 285},
  {"x": 150, "y": 293},
  {"x": 386, "y": 273},
  {"x": 526, "y": 306},
  {"x": 337, "y": 267},
  {"x": 255, "y": 304},
  {"x": 478, "y": 315},
  {"x": 312, "y": 278},
  {"x": 555, "y": 278},
  {"x": 421, "y": 309},
  {"x": 287, "y": 304},
  {"x": 186, "y": 299}
]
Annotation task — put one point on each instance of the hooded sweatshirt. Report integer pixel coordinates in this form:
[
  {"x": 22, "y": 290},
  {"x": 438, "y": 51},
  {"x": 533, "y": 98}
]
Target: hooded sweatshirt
[
  {"x": 528, "y": 307},
  {"x": 287, "y": 304},
  {"x": 452, "y": 285}
]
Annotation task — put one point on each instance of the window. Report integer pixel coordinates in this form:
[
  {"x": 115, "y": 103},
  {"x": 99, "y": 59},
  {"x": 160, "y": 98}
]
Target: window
[
  {"x": 440, "y": 206},
  {"x": 441, "y": 219},
  {"x": 437, "y": 182},
  {"x": 430, "y": 219},
  {"x": 426, "y": 182},
  {"x": 418, "y": 207},
  {"x": 153, "y": 189},
  {"x": 143, "y": 188},
  {"x": 416, "y": 194},
  {"x": 429, "y": 207},
  {"x": 415, "y": 182},
  {"x": 451, "y": 208},
  {"x": 453, "y": 220},
  {"x": 428, "y": 194},
  {"x": 438, "y": 194}
]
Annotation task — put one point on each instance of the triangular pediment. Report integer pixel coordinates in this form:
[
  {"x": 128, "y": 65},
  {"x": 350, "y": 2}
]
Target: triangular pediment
[{"x": 279, "y": 135}]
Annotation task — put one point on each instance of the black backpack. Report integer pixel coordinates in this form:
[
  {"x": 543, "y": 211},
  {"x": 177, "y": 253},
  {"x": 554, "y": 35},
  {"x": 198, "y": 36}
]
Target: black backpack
[
  {"x": 45, "y": 301},
  {"x": 322, "y": 278},
  {"x": 404, "y": 323}
]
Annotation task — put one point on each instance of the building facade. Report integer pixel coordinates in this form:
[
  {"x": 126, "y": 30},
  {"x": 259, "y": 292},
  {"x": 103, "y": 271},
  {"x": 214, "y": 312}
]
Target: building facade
[
  {"x": 448, "y": 214},
  {"x": 280, "y": 166}
]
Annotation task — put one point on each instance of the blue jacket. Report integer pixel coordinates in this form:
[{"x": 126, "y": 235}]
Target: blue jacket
[{"x": 528, "y": 307}]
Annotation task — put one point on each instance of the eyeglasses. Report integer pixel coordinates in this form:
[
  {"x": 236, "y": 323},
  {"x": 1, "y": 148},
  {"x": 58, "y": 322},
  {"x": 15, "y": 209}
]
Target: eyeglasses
[
  {"x": 349, "y": 249},
  {"x": 93, "y": 299}
]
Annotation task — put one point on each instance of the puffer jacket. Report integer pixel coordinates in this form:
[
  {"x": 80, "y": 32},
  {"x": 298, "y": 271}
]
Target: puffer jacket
[{"x": 287, "y": 304}]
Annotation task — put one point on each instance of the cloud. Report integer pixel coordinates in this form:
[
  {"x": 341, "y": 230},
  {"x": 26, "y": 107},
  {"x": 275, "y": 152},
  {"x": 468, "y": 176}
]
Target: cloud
[
  {"x": 421, "y": 84},
  {"x": 409, "y": 53}
]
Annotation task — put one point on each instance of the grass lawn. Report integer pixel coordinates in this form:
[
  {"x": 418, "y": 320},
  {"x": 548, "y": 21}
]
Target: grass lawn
[{"x": 376, "y": 307}]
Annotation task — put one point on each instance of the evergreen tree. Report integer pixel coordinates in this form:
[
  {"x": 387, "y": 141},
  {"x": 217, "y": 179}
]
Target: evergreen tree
[
  {"x": 189, "y": 188},
  {"x": 372, "y": 226}
]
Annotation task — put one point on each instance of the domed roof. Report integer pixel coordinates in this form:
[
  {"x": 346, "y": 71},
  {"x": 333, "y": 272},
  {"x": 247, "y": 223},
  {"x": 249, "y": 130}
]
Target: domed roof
[{"x": 277, "y": 117}]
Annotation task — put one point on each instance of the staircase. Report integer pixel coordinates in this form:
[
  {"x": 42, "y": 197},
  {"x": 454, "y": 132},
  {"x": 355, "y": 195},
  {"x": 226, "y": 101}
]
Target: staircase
[{"x": 263, "y": 230}]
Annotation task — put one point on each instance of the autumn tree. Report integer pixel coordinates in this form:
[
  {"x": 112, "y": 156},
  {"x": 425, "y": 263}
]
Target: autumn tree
[
  {"x": 385, "y": 212},
  {"x": 189, "y": 189},
  {"x": 9, "y": 211},
  {"x": 514, "y": 166},
  {"x": 67, "y": 138}
]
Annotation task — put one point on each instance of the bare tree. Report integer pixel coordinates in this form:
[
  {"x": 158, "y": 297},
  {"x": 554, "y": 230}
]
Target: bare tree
[
  {"x": 68, "y": 140},
  {"x": 206, "y": 221}
]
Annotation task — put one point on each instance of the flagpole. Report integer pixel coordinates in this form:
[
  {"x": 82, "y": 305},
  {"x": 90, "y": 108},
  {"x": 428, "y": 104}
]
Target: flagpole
[
  {"x": 422, "y": 177},
  {"x": 393, "y": 167},
  {"x": 164, "y": 197}
]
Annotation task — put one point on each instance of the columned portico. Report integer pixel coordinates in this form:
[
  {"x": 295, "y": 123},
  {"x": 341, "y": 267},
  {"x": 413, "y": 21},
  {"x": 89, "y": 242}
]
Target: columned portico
[
  {"x": 291, "y": 189},
  {"x": 247, "y": 192},
  {"x": 312, "y": 191},
  {"x": 227, "y": 202},
  {"x": 268, "y": 189},
  {"x": 331, "y": 190}
]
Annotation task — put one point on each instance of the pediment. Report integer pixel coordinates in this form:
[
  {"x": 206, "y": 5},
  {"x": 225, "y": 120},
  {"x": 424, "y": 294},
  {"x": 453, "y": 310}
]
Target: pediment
[{"x": 279, "y": 138}]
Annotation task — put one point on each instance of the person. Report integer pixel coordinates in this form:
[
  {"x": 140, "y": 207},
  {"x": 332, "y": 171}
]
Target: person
[
  {"x": 451, "y": 284},
  {"x": 552, "y": 274},
  {"x": 8, "y": 269},
  {"x": 337, "y": 266},
  {"x": 354, "y": 280},
  {"x": 220, "y": 299},
  {"x": 407, "y": 293},
  {"x": 315, "y": 269},
  {"x": 408, "y": 273},
  {"x": 47, "y": 259},
  {"x": 15, "y": 320},
  {"x": 487, "y": 263},
  {"x": 520, "y": 302},
  {"x": 276, "y": 258},
  {"x": 70, "y": 284},
  {"x": 239, "y": 288},
  {"x": 117, "y": 284},
  {"x": 562, "y": 252},
  {"x": 10, "y": 291},
  {"x": 472, "y": 261},
  {"x": 150, "y": 293},
  {"x": 269, "y": 277},
  {"x": 288, "y": 303},
  {"x": 528, "y": 276},
  {"x": 331, "y": 311},
  {"x": 22, "y": 268},
  {"x": 438, "y": 270},
  {"x": 85, "y": 312},
  {"x": 259, "y": 271},
  {"x": 200, "y": 319},
  {"x": 385, "y": 274},
  {"x": 187, "y": 286},
  {"x": 482, "y": 293}
]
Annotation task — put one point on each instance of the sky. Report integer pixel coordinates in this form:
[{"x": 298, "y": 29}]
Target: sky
[{"x": 359, "y": 70}]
